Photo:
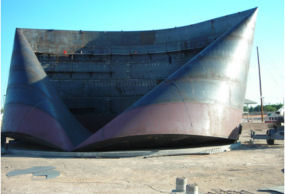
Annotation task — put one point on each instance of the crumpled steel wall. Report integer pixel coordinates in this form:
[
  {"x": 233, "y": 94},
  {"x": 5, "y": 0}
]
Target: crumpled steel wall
[{"x": 200, "y": 102}]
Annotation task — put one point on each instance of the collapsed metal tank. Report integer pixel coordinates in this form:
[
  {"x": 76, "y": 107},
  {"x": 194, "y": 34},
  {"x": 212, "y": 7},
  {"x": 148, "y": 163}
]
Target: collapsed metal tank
[{"x": 83, "y": 90}]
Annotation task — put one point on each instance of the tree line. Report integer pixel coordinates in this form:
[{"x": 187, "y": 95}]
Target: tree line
[{"x": 266, "y": 108}]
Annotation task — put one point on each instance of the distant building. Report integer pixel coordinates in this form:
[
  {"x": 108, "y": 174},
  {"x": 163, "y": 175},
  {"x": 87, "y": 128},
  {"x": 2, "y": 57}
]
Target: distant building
[{"x": 248, "y": 102}]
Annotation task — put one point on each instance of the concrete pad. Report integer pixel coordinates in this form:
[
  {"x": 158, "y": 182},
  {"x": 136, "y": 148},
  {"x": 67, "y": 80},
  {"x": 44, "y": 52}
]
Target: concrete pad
[{"x": 120, "y": 154}]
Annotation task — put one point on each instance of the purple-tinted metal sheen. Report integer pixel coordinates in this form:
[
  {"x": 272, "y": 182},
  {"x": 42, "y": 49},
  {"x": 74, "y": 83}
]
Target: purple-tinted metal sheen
[
  {"x": 173, "y": 118},
  {"x": 32, "y": 107},
  {"x": 36, "y": 124},
  {"x": 78, "y": 90},
  {"x": 222, "y": 67}
]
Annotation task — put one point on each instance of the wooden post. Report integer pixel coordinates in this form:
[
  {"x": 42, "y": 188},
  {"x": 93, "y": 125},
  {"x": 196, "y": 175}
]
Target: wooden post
[{"x": 260, "y": 88}]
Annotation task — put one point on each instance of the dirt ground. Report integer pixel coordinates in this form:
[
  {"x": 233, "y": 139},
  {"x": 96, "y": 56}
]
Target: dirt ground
[{"x": 244, "y": 170}]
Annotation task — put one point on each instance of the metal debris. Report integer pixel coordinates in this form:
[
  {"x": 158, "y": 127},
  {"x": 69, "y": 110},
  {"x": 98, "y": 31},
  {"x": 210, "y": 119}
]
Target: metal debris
[
  {"x": 47, "y": 171},
  {"x": 279, "y": 189}
]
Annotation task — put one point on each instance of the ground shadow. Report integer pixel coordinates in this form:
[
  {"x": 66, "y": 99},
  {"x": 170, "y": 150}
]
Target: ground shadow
[{"x": 248, "y": 146}]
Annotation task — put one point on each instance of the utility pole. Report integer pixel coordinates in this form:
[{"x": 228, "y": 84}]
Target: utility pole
[{"x": 260, "y": 88}]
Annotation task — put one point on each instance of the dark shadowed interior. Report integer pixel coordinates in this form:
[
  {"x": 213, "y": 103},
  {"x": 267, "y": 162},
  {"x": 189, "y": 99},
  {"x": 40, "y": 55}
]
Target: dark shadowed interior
[
  {"x": 99, "y": 74},
  {"x": 96, "y": 88}
]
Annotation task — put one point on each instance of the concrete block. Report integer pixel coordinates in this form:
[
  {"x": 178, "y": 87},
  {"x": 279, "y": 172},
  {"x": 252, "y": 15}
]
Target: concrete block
[
  {"x": 181, "y": 184},
  {"x": 192, "y": 189}
]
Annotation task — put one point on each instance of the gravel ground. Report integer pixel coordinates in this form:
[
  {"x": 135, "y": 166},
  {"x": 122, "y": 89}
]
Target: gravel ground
[{"x": 240, "y": 171}]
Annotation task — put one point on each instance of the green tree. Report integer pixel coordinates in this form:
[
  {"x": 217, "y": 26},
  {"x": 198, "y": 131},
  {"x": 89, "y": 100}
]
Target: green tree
[
  {"x": 257, "y": 108},
  {"x": 277, "y": 106},
  {"x": 266, "y": 108},
  {"x": 269, "y": 108}
]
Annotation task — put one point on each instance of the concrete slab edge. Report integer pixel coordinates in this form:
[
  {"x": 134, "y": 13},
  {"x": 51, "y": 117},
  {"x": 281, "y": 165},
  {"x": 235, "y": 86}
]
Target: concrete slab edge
[{"x": 121, "y": 154}]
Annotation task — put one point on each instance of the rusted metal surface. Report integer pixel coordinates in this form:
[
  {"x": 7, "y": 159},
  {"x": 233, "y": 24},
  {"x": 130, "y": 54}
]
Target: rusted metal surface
[
  {"x": 151, "y": 86},
  {"x": 204, "y": 97}
]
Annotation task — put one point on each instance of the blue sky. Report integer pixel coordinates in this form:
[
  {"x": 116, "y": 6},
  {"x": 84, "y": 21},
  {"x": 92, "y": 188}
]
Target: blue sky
[{"x": 116, "y": 15}]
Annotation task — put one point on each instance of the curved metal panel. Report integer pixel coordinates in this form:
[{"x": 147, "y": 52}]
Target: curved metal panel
[
  {"x": 198, "y": 99},
  {"x": 32, "y": 106},
  {"x": 172, "y": 87}
]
